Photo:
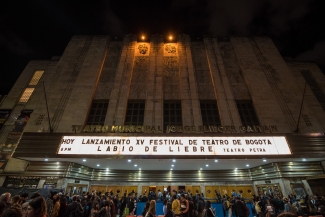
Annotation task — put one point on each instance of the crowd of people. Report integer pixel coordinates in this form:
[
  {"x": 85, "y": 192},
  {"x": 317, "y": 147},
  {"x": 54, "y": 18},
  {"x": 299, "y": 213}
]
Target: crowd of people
[{"x": 180, "y": 204}]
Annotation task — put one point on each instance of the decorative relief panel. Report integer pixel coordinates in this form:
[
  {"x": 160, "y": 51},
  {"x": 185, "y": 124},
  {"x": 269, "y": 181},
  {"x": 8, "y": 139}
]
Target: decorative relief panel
[
  {"x": 171, "y": 80},
  {"x": 139, "y": 77},
  {"x": 142, "y": 49},
  {"x": 171, "y": 67},
  {"x": 234, "y": 72},
  {"x": 170, "y": 49}
]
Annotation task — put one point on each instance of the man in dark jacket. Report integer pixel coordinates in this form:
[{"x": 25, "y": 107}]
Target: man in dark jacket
[
  {"x": 74, "y": 208},
  {"x": 240, "y": 208},
  {"x": 132, "y": 204}
]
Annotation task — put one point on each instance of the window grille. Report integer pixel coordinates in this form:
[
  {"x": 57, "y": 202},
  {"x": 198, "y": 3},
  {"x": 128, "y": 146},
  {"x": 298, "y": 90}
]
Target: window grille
[
  {"x": 210, "y": 113},
  {"x": 247, "y": 112},
  {"x": 135, "y": 113},
  {"x": 97, "y": 112},
  {"x": 172, "y": 113}
]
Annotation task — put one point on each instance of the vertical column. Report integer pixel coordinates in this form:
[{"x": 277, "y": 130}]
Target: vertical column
[
  {"x": 153, "y": 112},
  {"x": 187, "y": 111},
  {"x": 221, "y": 85},
  {"x": 190, "y": 81},
  {"x": 119, "y": 96}
]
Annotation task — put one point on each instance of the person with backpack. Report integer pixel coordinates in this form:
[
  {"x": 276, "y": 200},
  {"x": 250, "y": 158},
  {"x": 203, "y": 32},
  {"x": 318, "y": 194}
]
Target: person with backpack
[
  {"x": 240, "y": 208},
  {"x": 74, "y": 208}
]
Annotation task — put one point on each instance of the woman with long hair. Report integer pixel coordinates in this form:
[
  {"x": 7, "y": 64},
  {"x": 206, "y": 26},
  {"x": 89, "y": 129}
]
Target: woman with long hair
[
  {"x": 37, "y": 208},
  {"x": 208, "y": 209},
  {"x": 63, "y": 206},
  {"x": 146, "y": 209},
  {"x": 152, "y": 209}
]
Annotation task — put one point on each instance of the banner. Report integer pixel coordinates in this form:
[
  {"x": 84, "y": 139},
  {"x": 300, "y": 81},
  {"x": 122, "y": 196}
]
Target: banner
[{"x": 181, "y": 145}]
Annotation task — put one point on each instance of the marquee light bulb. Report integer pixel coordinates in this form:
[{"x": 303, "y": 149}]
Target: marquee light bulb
[
  {"x": 143, "y": 37},
  {"x": 170, "y": 37}
]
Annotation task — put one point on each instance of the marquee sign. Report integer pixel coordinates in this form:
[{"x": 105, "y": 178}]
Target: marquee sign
[{"x": 181, "y": 145}]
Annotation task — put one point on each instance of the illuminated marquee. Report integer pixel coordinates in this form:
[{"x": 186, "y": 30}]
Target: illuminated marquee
[{"x": 137, "y": 145}]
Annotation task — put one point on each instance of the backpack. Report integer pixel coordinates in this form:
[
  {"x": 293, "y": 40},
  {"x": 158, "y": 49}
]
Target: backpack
[
  {"x": 257, "y": 207},
  {"x": 225, "y": 206}
]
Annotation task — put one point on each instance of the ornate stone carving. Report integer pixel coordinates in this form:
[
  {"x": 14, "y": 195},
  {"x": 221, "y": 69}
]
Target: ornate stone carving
[
  {"x": 170, "y": 66},
  {"x": 141, "y": 63},
  {"x": 143, "y": 48},
  {"x": 170, "y": 48}
]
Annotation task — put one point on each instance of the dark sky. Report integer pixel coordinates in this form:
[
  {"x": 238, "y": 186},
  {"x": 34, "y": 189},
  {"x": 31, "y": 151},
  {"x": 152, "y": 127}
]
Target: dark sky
[{"x": 40, "y": 29}]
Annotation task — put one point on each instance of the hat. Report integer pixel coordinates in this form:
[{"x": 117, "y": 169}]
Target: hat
[
  {"x": 24, "y": 205},
  {"x": 53, "y": 193},
  {"x": 285, "y": 199}
]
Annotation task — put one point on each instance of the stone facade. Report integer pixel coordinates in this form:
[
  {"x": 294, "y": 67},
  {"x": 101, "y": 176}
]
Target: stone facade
[{"x": 98, "y": 68}]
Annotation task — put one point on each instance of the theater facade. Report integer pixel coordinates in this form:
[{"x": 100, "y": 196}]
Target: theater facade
[{"x": 204, "y": 116}]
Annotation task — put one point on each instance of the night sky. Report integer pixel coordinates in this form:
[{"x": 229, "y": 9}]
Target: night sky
[{"x": 40, "y": 29}]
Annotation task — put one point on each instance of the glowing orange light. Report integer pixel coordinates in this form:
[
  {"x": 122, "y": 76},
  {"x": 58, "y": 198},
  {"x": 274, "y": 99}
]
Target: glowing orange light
[
  {"x": 143, "y": 37},
  {"x": 170, "y": 37}
]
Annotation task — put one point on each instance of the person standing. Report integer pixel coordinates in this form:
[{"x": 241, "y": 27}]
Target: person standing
[
  {"x": 169, "y": 211},
  {"x": 240, "y": 208},
  {"x": 37, "y": 207},
  {"x": 132, "y": 204},
  {"x": 184, "y": 206},
  {"x": 208, "y": 209},
  {"x": 50, "y": 202},
  {"x": 165, "y": 207},
  {"x": 176, "y": 206},
  {"x": 200, "y": 206},
  {"x": 152, "y": 209}
]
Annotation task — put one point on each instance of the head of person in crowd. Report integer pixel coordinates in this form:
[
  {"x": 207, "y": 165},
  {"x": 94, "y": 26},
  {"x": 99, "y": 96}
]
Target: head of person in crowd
[
  {"x": 5, "y": 197},
  {"x": 287, "y": 214},
  {"x": 321, "y": 210},
  {"x": 24, "y": 207},
  {"x": 37, "y": 207},
  {"x": 54, "y": 195},
  {"x": 2, "y": 207},
  {"x": 208, "y": 204},
  {"x": 24, "y": 197},
  {"x": 152, "y": 207},
  {"x": 15, "y": 200},
  {"x": 182, "y": 197},
  {"x": 165, "y": 202},
  {"x": 174, "y": 196},
  {"x": 63, "y": 200},
  {"x": 74, "y": 198},
  {"x": 12, "y": 212}
]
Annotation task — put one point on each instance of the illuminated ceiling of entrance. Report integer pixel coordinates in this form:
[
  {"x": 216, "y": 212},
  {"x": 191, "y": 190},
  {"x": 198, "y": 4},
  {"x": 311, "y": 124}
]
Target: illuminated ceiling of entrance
[{"x": 173, "y": 164}]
